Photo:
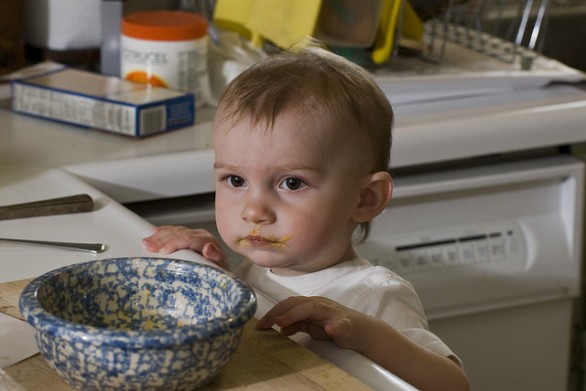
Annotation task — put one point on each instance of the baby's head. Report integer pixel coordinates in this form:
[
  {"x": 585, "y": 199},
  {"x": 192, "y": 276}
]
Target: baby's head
[
  {"x": 314, "y": 81},
  {"x": 308, "y": 80}
]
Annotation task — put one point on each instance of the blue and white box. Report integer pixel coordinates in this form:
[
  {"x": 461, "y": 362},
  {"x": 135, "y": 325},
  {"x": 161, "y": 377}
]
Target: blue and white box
[{"x": 103, "y": 102}]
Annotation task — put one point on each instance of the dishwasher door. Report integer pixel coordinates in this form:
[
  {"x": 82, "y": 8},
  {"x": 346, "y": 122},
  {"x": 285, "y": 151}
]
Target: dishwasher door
[{"x": 495, "y": 254}]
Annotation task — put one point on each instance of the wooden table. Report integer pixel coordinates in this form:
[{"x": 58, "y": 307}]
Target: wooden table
[{"x": 264, "y": 360}]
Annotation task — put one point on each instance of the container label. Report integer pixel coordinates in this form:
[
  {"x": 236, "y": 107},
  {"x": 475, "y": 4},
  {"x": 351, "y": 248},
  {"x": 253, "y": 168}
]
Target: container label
[{"x": 178, "y": 65}]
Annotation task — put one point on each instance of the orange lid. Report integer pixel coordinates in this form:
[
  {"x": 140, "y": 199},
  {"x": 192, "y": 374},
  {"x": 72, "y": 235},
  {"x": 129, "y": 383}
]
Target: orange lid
[{"x": 164, "y": 25}]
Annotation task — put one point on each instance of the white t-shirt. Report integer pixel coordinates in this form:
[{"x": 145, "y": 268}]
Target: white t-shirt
[{"x": 357, "y": 284}]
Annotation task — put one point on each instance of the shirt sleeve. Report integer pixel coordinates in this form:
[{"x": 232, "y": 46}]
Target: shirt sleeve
[{"x": 392, "y": 299}]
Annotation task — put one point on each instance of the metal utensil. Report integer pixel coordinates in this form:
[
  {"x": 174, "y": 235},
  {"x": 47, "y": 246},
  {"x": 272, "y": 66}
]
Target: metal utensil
[
  {"x": 86, "y": 247},
  {"x": 55, "y": 206}
]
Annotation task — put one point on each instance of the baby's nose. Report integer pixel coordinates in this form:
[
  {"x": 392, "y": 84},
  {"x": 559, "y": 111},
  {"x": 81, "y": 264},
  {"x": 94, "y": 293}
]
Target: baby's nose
[{"x": 258, "y": 211}]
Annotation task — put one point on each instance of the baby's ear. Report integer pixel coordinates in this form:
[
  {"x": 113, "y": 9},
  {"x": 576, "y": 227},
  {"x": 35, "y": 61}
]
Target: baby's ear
[{"x": 374, "y": 197}]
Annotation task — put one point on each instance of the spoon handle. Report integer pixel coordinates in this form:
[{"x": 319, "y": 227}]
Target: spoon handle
[
  {"x": 87, "y": 247},
  {"x": 55, "y": 206}
]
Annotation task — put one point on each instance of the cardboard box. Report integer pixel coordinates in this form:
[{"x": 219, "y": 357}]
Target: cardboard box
[{"x": 103, "y": 102}]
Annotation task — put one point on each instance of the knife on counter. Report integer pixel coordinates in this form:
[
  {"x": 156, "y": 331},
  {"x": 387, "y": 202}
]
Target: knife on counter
[{"x": 78, "y": 203}]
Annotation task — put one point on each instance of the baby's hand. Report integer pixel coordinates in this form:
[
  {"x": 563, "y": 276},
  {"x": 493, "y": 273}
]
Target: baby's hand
[
  {"x": 321, "y": 318},
  {"x": 167, "y": 239}
]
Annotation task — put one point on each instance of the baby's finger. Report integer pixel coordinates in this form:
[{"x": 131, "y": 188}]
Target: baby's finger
[
  {"x": 268, "y": 320},
  {"x": 315, "y": 331},
  {"x": 212, "y": 253},
  {"x": 311, "y": 310}
]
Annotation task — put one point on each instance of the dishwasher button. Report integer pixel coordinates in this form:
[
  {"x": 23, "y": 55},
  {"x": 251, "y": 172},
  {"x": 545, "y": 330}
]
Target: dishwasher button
[
  {"x": 404, "y": 261},
  {"x": 467, "y": 252},
  {"x": 481, "y": 247},
  {"x": 497, "y": 248},
  {"x": 420, "y": 260},
  {"x": 451, "y": 254},
  {"x": 436, "y": 257}
]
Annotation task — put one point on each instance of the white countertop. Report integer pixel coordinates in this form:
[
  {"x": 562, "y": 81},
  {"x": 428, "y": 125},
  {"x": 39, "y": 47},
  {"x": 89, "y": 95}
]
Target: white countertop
[{"x": 109, "y": 223}]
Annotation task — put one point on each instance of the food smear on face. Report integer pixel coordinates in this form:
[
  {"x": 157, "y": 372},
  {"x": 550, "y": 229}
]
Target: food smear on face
[{"x": 254, "y": 239}]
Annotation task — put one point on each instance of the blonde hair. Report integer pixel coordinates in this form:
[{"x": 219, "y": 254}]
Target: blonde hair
[{"x": 311, "y": 79}]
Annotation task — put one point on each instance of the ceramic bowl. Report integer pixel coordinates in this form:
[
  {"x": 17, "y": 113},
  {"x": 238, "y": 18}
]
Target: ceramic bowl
[{"x": 137, "y": 323}]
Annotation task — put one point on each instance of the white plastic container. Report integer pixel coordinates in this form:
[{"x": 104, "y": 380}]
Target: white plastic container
[{"x": 166, "y": 49}]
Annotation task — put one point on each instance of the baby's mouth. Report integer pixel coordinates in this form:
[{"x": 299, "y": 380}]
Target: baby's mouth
[{"x": 261, "y": 241}]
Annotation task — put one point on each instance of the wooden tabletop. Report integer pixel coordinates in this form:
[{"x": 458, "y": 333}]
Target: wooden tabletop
[{"x": 264, "y": 360}]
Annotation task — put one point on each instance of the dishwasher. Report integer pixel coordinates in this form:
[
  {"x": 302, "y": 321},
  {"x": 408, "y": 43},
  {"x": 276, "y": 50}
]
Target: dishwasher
[
  {"x": 495, "y": 255},
  {"x": 487, "y": 214}
]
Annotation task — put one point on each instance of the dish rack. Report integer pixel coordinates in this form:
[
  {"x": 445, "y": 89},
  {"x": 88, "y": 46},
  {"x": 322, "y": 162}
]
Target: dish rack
[
  {"x": 501, "y": 29},
  {"x": 498, "y": 28}
]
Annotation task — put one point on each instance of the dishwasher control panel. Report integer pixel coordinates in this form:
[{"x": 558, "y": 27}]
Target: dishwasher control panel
[{"x": 463, "y": 246}]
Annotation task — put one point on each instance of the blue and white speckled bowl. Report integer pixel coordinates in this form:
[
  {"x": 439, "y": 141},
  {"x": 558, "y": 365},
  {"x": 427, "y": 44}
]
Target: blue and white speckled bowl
[{"x": 137, "y": 323}]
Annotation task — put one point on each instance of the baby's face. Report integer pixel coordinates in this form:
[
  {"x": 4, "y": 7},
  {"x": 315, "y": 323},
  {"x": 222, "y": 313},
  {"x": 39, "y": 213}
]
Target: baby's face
[{"x": 285, "y": 197}]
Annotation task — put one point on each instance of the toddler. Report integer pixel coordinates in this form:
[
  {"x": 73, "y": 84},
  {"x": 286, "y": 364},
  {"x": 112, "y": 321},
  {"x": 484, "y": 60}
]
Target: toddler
[{"x": 302, "y": 145}]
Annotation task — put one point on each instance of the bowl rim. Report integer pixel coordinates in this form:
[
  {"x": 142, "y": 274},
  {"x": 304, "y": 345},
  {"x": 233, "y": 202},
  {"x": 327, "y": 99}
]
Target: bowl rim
[{"x": 47, "y": 323}]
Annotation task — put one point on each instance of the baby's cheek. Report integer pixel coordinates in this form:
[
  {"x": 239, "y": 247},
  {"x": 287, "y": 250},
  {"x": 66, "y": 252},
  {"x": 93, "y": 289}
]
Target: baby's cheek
[
  {"x": 227, "y": 232},
  {"x": 311, "y": 240}
]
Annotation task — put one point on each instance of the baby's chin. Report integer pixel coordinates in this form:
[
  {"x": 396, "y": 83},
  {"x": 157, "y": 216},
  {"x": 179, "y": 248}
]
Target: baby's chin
[{"x": 272, "y": 261}]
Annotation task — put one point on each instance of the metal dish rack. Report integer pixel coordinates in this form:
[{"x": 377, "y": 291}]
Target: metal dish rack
[{"x": 501, "y": 29}]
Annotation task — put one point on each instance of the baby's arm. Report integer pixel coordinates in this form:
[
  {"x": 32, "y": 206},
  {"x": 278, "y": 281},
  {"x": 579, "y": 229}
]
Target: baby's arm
[
  {"x": 167, "y": 239},
  {"x": 326, "y": 319}
]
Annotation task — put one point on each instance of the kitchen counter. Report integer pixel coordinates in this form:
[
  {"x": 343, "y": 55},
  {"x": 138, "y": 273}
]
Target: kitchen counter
[{"x": 109, "y": 223}]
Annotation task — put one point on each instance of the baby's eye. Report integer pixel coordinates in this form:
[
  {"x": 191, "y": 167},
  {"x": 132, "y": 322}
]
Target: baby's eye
[
  {"x": 293, "y": 183},
  {"x": 235, "y": 181}
]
